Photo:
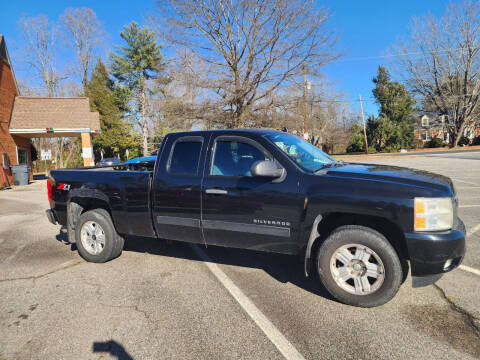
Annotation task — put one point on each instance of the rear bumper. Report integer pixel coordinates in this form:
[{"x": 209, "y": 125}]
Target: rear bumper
[
  {"x": 429, "y": 252},
  {"x": 51, "y": 216}
]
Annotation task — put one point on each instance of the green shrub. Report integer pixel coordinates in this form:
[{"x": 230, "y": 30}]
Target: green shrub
[
  {"x": 476, "y": 140},
  {"x": 417, "y": 144},
  {"x": 464, "y": 141},
  {"x": 391, "y": 148},
  {"x": 435, "y": 143},
  {"x": 353, "y": 148}
]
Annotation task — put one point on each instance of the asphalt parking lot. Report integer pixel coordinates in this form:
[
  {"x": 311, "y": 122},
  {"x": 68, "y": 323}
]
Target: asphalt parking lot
[{"x": 164, "y": 300}]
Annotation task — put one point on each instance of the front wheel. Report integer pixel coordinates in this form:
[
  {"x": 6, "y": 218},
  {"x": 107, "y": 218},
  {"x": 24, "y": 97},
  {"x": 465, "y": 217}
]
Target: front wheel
[{"x": 359, "y": 267}]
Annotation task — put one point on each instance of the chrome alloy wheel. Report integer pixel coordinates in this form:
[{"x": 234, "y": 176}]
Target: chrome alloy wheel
[
  {"x": 357, "y": 269},
  {"x": 92, "y": 237}
]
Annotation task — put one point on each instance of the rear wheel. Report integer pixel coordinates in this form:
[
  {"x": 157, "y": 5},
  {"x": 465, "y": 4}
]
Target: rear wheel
[
  {"x": 359, "y": 267},
  {"x": 96, "y": 237}
]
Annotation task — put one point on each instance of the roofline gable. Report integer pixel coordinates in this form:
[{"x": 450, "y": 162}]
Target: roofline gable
[{"x": 3, "y": 44}]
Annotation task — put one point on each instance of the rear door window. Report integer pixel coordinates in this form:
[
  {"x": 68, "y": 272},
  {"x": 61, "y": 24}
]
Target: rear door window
[{"x": 185, "y": 157}]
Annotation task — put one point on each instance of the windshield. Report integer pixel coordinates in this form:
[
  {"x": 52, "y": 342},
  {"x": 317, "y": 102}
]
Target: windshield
[{"x": 306, "y": 155}]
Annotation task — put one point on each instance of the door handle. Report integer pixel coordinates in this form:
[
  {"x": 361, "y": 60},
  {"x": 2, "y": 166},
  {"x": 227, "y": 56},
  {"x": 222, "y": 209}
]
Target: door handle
[{"x": 216, "y": 191}]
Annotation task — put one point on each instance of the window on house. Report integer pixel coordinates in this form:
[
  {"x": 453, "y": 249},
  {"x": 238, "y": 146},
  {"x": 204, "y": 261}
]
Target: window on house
[
  {"x": 426, "y": 136},
  {"x": 445, "y": 137},
  {"x": 425, "y": 121},
  {"x": 22, "y": 155}
]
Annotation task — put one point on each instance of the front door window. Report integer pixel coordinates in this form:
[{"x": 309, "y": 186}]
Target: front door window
[{"x": 235, "y": 158}]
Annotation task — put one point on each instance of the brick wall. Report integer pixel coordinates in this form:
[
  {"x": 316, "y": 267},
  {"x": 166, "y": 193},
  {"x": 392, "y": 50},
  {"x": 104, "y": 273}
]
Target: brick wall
[{"x": 9, "y": 143}]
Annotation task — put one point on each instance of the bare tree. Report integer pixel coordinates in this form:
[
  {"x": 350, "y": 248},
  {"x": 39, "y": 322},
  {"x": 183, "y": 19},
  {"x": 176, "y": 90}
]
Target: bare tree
[
  {"x": 40, "y": 50},
  {"x": 85, "y": 34},
  {"x": 441, "y": 61},
  {"x": 252, "y": 46}
]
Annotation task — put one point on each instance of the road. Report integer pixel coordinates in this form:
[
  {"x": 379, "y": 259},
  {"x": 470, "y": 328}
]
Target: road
[{"x": 175, "y": 301}]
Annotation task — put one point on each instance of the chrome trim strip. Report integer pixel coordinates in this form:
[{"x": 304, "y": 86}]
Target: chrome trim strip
[
  {"x": 216, "y": 191},
  {"x": 247, "y": 228},
  {"x": 175, "y": 220}
]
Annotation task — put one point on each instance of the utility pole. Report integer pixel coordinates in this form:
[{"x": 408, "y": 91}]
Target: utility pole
[
  {"x": 364, "y": 126},
  {"x": 305, "y": 114}
]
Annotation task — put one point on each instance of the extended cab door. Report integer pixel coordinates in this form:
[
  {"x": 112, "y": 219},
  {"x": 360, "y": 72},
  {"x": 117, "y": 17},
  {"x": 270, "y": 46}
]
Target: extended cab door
[
  {"x": 244, "y": 211},
  {"x": 177, "y": 188}
]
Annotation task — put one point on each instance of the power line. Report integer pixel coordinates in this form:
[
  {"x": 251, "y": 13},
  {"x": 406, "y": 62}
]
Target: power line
[{"x": 397, "y": 55}]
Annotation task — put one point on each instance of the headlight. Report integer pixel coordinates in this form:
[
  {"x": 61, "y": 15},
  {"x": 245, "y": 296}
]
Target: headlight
[{"x": 433, "y": 214}]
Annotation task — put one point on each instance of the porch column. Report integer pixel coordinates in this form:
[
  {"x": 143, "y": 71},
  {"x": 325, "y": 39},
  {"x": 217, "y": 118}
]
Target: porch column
[{"x": 87, "y": 150}]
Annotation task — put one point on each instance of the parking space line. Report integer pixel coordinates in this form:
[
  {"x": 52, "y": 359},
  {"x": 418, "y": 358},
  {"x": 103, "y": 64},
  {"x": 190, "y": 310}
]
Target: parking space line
[
  {"x": 468, "y": 206},
  {"x": 274, "y": 335},
  {"x": 463, "y": 181},
  {"x": 469, "y": 269},
  {"x": 473, "y": 230}
]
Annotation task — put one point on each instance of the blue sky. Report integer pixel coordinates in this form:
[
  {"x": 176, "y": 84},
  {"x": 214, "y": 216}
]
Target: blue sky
[{"x": 366, "y": 28}]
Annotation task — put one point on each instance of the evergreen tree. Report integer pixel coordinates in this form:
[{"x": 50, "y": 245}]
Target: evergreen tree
[
  {"x": 393, "y": 128},
  {"x": 395, "y": 101},
  {"x": 117, "y": 134},
  {"x": 136, "y": 63},
  {"x": 357, "y": 142}
]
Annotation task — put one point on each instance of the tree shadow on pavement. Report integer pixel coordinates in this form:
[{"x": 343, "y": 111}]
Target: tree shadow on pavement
[
  {"x": 113, "y": 348},
  {"x": 283, "y": 268}
]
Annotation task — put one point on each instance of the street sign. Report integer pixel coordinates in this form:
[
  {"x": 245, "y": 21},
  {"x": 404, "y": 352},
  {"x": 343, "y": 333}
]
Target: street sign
[{"x": 46, "y": 154}]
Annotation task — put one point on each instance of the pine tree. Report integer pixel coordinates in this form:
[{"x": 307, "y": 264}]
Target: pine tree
[
  {"x": 395, "y": 101},
  {"x": 136, "y": 63},
  {"x": 117, "y": 134},
  {"x": 392, "y": 129}
]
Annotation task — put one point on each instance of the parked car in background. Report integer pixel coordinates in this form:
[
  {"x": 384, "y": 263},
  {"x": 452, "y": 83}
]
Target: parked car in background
[
  {"x": 144, "y": 163},
  {"x": 109, "y": 162}
]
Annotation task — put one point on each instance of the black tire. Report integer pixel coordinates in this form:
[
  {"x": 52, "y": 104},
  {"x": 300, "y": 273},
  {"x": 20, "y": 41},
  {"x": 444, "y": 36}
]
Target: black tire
[
  {"x": 355, "y": 234},
  {"x": 113, "y": 242}
]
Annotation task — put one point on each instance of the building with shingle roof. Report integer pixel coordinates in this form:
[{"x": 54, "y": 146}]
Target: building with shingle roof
[
  {"x": 37, "y": 116},
  {"x": 23, "y": 118}
]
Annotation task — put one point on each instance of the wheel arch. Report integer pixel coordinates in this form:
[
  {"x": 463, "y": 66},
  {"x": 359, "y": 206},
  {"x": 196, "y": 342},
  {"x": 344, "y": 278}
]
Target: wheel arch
[
  {"x": 80, "y": 201},
  {"x": 324, "y": 224}
]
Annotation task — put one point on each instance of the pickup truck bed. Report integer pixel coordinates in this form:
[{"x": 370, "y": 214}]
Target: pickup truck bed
[{"x": 127, "y": 194}]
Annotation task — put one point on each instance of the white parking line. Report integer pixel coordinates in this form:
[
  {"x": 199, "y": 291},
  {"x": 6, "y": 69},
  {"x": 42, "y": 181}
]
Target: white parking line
[
  {"x": 276, "y": 337},
  {"x": 473, "y": 230},
  {"x": 466, "y": 182},
  {"x": 469, "y": 269},
  {"x": 468, "y": 206}
]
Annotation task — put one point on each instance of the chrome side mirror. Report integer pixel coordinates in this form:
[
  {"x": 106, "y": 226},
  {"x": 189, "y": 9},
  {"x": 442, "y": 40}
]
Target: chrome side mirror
[{"x": 266, "y": 168}]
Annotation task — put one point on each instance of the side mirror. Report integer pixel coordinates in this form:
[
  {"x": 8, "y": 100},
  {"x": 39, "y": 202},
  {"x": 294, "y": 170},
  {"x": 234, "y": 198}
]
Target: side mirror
[{"x": 266, "y": 168}]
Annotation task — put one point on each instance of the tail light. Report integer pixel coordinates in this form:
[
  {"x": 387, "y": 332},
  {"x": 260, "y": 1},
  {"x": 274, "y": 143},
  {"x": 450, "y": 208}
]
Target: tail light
[{"x": 49, "y": 190}]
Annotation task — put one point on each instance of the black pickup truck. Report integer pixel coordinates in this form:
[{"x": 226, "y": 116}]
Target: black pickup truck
[{"x": 355, "y": 225}]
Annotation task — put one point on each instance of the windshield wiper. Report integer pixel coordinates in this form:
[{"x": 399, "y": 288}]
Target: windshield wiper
[
  {"x": 332, "y": 164},
  {"x": 324, "y": 166}
]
